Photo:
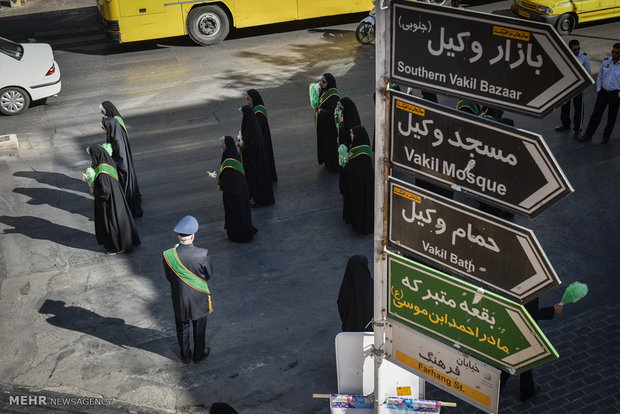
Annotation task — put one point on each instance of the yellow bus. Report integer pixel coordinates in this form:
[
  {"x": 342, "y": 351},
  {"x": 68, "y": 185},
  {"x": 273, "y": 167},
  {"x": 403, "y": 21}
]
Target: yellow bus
[{"x": 208, "y": 21}]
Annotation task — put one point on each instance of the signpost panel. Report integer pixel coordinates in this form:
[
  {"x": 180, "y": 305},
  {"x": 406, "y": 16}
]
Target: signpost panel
[
  {"x": 459, "y": 314},
  {"x": 490, "y": 160},
  {"x": 496, "y": 253},
  {"x": 504, "y": 62},
  {"x": 445, "y": 367}
]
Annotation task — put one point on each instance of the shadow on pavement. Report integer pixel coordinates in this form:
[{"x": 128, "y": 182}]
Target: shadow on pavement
[
  {"x": 38, "y": 228},
  {"x": 53, "y": 178},
  {"x": 112, "y": 330},
  {"x": 64, "y": 200}
]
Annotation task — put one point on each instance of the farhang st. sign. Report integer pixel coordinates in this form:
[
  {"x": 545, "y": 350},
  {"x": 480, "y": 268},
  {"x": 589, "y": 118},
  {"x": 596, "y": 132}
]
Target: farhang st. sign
[{"x": 483, "y": 324}]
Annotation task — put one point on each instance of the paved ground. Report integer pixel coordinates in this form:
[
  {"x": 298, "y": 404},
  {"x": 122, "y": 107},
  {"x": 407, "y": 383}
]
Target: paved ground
[{"x": 79, "y": 323}]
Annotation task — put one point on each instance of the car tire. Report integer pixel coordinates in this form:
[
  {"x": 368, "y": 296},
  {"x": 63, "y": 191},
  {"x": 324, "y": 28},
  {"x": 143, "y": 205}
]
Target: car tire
[
  {"x": 565, "y": 23},
  {"x": 436, "y": 2},
  {"x": 13, "y": 100},
  {"x": 207, "y": 25}
]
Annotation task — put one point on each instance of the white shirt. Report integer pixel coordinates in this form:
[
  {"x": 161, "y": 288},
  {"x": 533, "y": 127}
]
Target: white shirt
[
  {"x": 609, "y": 76},
  {"x": 583, "y": 58}
]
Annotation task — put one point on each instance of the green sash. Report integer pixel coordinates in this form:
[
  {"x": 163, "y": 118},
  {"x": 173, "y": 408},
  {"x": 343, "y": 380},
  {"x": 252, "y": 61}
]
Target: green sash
[
  {"x": 183, "y": 273},
  {"x": 327, "y": 94},
  {"x": 120, "y": 121},
  {"x": 360, "y": 150},
  {"x": 230, "y": 163},
  {"x": 106, "y": 169},
  {"x": 261, "y": 109}
]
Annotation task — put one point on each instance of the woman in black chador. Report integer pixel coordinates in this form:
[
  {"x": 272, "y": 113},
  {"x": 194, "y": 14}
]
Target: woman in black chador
[
  {"x": 347, "y": 117},
  {"x": 231, "y": 182},
  {"x": 355, "y": 298},
  {"x": 254, "y": 160},
  {"x": 359, "y": 183},
  {"x": 109, "y": 110},
  {"x": 114, "y": 225},
  {"x": 121, "y": 154},
  {"x": 326, "y": 131},
  {"x": 254, "y": 99}
]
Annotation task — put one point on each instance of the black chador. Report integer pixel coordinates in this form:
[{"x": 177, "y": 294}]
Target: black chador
[
  {"x": 256, "y": 101},
  {"x": 231, "y": 181},
  {"x": 254, "y": 160},
  {"x": 359, "y": 183},
  {"x": 114, "y": 225},
  {"x": 326, "y": 131},
  {"x": 121, "y": 154},
  {"x": 347, "y": 118},
  {"x": 355, "y": 298}
]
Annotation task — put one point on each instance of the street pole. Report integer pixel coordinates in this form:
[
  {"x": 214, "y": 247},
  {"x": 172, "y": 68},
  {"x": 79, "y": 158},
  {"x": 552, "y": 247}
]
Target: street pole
[{"x": 382, "y": 46}]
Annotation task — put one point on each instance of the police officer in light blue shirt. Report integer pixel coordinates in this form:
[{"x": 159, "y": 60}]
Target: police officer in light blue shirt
[
  {"x": 577, "y": 101},
  {"x": 608, "y": 88}
]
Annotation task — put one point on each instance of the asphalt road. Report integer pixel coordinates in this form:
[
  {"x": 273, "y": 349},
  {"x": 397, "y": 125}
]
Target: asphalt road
[{"x": 76, "y": 321}]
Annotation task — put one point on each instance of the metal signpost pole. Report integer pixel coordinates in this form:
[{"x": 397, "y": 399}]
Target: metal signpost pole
[{"x": 383, "y": 39}]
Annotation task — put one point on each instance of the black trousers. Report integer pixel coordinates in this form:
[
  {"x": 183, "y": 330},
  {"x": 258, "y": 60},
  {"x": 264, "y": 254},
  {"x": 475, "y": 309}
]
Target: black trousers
[
  {"x": 577, "y": 102},
  {"x": 526, "y": 385},
  {"x": 603, "y": 99},
  {"x": 199, "y": 328}
]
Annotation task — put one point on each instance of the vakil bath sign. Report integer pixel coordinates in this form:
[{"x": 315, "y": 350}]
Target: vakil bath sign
[{"x": 465, "y": 317}]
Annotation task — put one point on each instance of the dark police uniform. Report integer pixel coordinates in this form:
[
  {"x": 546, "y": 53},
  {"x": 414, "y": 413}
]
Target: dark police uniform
[{"x": 190, "y": 303}]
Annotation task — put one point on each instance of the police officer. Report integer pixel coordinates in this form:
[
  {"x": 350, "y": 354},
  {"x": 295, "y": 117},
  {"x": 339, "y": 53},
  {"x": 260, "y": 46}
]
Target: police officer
[
  {"x": 577, "y": 101},
  {"x": 187, "y": 269},
  {"x": 608, "y": 88}
]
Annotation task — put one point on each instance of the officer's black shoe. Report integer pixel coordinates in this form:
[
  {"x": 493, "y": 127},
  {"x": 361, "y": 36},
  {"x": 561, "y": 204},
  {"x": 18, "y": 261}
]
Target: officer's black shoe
[
  {"x": 605, "y": 140},
  {"x": 205, "y": 354},
  {"x": 562, "y": 128},
  {"x": 584, "y": 138},
  {"x": 186, "y": 359}
]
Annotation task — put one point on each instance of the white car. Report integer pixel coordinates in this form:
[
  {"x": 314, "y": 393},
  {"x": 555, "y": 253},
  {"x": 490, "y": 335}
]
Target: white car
[{"x": 28, "y": 73}]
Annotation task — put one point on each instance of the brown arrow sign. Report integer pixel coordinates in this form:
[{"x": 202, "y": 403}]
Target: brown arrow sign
[
  {"x": 490, "y": 251},
  {"x": 504, "y": 62},
  {"x": 488, "y": 160}
]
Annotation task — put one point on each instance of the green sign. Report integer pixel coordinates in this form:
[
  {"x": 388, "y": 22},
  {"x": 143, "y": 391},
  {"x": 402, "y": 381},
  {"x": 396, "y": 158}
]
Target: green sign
[{"x": 459, "y": 314}]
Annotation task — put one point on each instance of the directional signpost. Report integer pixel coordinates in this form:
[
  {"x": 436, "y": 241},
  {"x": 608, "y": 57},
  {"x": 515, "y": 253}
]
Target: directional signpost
[
  {"x": 490, "y": 160},
  {"x": 443, "y": 366},
  {"x": 505, "y": 62},
  {"x": 497, "y": 253},
  {"x": 458, "y": 314}
]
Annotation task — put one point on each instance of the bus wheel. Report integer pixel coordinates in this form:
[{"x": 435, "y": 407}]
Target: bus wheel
[{"x": 207, "y": 25}]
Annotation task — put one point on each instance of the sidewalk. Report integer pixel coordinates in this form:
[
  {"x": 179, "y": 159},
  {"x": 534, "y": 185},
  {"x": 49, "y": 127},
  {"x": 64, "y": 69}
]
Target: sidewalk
[{"x": 37, "y": 6}]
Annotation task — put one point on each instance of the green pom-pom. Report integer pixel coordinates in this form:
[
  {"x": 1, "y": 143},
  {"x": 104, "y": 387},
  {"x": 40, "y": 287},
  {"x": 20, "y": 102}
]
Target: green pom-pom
[
  {"x": 343, "y": 155},
  {"x": 89, "y": 176},
  {"x": 574, "y": 292},
  {"x": 108, "y": 147},
  {"x": 314, "y": 90}
]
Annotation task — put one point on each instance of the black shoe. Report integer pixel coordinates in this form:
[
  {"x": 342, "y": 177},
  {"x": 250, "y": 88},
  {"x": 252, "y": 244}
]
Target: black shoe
[
  {"x": 584, "y": 138},
  {"x": 205, "y": 354},
  {"x": 256, "y": 205},
  {"x": 562, "y": 128},
  {"x": 605, "y": 140},
  {"x": 186, "y": 359}
]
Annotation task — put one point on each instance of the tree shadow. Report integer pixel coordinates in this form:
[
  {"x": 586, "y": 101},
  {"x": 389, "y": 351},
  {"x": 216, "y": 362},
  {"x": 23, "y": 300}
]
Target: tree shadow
[
  {"x": 64, "y": 200},
  {"x": 112, "y": 330},
  {"x": 38, "y": 228},
  {"x": 53, "y": 178}
]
